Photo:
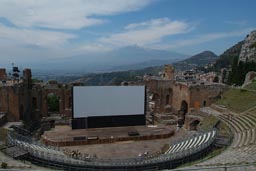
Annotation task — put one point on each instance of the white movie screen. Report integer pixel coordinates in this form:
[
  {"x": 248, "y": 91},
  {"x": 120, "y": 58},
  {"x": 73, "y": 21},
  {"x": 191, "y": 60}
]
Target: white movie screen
[{"x": 91, "y": 101}]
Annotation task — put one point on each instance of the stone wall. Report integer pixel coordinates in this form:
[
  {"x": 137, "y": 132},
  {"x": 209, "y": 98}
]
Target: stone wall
[
  {"x": 25, "y": 100},
  {"x": 194, "y": 96},
  {"x": 204, "y": 95},
  {"x": 180, "y": 93},
  {"x": 162, "y": 94}
]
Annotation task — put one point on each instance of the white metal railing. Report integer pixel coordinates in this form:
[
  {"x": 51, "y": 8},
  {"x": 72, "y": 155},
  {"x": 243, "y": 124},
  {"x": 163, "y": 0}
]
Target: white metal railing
[{"x": 53, "y": 154}]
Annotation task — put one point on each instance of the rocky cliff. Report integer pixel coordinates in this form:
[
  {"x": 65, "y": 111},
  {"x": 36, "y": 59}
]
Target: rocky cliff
[{"x": 248, "y": 51}]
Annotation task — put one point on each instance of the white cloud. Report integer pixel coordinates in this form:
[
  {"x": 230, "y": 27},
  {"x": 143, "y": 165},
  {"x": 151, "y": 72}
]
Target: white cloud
[
  {"x": 207, "y": 38},
  {"x": 39, "y": 38},
  {"x": 146, "y": 33},
  {"x": 94, "y": 47},
  {"x": 64, "y": 14},
  {"x": 150, "y": 23},
  {"x": 200, "y": 39}
]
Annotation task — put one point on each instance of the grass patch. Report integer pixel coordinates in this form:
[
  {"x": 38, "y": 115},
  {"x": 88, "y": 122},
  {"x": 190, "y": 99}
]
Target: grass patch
[
  {"x": 252, "y": 86},
  {"x": 208, "y": 122},
  {"x": 238, "y": 100},
  {"x": 3, "y": 134}
]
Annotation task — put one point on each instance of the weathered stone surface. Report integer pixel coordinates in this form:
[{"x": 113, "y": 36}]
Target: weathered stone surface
[
  {"x": 248, "y": 51},
  {"x": 195, "y": 94},
  {"x": 250, "y": 76}
]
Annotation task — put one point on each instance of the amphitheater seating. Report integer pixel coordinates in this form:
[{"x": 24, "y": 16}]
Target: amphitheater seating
[
  {"x": 191, "y": 143},
  {"x": 37, "y": 148},
  {"x": 243, "y": 147}
]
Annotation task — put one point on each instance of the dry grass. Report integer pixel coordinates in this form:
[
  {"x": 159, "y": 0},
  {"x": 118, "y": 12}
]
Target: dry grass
[
  {"x": 208, "y": 122},
  {"x": 238, "y": 100},
  {"x": 252, "y": 86}
]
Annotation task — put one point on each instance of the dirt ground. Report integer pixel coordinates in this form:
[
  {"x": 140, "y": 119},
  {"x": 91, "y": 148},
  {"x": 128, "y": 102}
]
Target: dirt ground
[{"x": 129, "y": 149}]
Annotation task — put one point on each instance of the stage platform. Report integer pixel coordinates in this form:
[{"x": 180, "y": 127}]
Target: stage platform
[{"x": 65, "y": 136}]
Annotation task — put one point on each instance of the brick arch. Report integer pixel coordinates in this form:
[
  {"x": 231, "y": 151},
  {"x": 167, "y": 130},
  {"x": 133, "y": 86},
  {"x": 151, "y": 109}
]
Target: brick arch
[
  {"x": 46, "y": 93},
  {"x": 58, "y": 102},
  {"x": 184, "y": 107},
  {"x": 182, "y": 112},
  {"x": 167, "y": 99}
]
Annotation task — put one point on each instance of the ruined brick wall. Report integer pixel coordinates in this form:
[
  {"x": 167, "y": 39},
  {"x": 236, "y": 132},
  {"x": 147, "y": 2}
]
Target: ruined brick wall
[
  {"x": 10, "y": 101},
  {"x": 162, "y": 94},
  {"x": 180, "y": 93},
  {"x": 3, "y": 75},
  {"x": 4, "y": 99},
  {"x": 204, "y": 95},
  {"x": 25, "y": 100},
  {"x": 65, "y": 100},
  {"x": 68, "y": 102}
]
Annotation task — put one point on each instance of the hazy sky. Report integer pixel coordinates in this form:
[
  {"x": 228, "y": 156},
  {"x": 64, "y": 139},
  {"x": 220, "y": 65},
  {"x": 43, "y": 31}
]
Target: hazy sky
[{"x": 44, "y": 29}]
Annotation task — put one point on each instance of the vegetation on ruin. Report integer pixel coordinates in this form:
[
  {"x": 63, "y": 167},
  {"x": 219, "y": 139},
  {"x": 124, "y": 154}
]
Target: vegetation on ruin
[
  {"x": 238, "y": 100},
  {"x": 53, "y": 103},
  {"x": 239, "y": 71},
  {"x": 208, "y": 122},
  {"x": 36, "y": 80}
]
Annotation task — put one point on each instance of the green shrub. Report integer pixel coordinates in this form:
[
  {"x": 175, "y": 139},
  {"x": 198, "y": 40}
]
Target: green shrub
[
  {"x": 243, "y": 90},
  {"x": 4, "y": 165}
]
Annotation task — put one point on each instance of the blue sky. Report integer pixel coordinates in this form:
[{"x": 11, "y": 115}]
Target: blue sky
[{"x": 46, "y": 29}]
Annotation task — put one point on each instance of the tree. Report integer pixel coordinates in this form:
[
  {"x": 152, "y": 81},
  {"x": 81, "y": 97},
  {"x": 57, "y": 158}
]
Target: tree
[{"x": 53, "y": 103}]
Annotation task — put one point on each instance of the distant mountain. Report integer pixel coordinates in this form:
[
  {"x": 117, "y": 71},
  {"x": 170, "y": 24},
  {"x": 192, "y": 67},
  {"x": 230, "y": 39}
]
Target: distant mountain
[
  {"x": 115, "y": 78},
  {"x": 202, "y": 59},
  {"x": 197, "y": 60},
  {"x": 135, "y": 54},
  {"x": 132, "y": 57},
  {"x": 111, "y": 78},
  {"x": 226, "y": 59}
]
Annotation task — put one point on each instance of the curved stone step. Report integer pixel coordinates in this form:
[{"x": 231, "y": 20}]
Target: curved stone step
[
  {"x": 249, "y": 137},
  {"x": 253, "y": 139},
  {"x": 252, "y": 117},
  {"x": 237, "y": 139},
  {"x": 247, "y": 124},
  {"x": 243, "y": 138},
  {"x": 242, "y": 126},
  {"x": 249, "y": 121},
  {"x": 230, "y": 124}
]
